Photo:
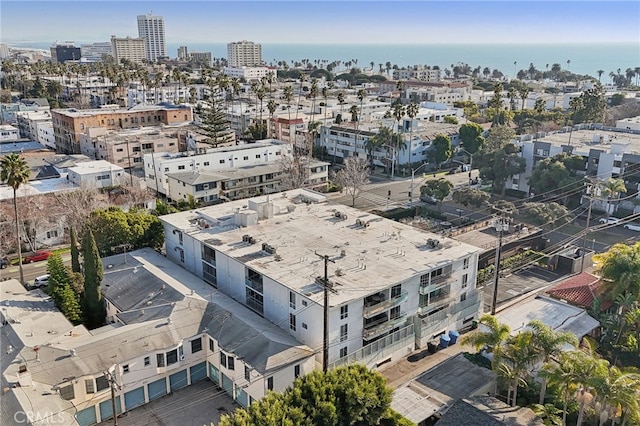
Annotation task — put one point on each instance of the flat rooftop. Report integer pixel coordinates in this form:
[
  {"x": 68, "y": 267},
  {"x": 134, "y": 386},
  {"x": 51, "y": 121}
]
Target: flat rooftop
[
  {"x": 260, "y": 144},
  {"x": 95, "y": 167},
  {"x": 582, "y": 141},
  {"x": 367, "y": 258}
]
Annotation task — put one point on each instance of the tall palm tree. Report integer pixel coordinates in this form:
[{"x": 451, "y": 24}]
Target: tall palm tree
[
  {"x": 341, "y": 101},
  {"x": 524, "y": 92},
  {"x": 516, "y": 358},
  {"x": 412, "y": 112},
  {"x": 549, "y": 343},
  {"x": 398, "y": 113},
  {"x": 600, "y": 72},
  {"x": 14, "y": 171},
  {"x": 271, "y": 106},
  {"x": 620, "y": 268},
  {"x": 611, "y": 189},
  {"x": 288, "y": 96}
]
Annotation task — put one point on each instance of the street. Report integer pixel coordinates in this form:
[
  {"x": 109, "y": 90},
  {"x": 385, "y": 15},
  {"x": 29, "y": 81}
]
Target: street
[{"x": 30, "y": 270}]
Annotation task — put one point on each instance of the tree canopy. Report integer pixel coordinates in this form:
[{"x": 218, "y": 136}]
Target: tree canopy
[
  {"x": 441, "y": 149},
  {"x": 437, "y": 188},
  {"x": 550, "y": 214},
  {"x": 557, "y": 175},
  {"x": 471, "y": 137},
  {"x": 500, "y": 164},
  {"x": 352, "y": 177},
  {"x": 470, "y": 197},
  {"x": 349, "y": 395}
]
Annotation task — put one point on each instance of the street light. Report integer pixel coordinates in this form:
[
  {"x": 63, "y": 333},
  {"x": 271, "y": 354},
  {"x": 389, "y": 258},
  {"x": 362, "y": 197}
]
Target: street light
[{"x": 413, "y": 175}]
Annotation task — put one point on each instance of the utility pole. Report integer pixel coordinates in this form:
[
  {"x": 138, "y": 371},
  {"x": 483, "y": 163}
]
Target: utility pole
[
  {"x": 113, "y": 384},
  {"x": 592, "y": 187},
  {"x": 327, "y": 286},
  {"x": 502, "y": 223}
]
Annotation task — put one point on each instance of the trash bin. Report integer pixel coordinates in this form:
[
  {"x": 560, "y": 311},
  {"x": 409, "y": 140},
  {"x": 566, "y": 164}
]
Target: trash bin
[
  {"x": 444, "y": 340},
  {"x": 453, "y": 334}
]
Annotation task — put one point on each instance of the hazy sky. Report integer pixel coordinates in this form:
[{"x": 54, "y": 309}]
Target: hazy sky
[{"x": 324, "y": 22}]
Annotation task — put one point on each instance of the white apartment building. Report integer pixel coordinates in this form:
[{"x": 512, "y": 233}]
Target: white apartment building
[
  {"x": 151, "y": 29},
  {"x": 152, "y": 348},
  {"x": 240, "y": 183},
  {"x": 394, "y": 287},
  {"x": 9, "y": 133},
  {"x": 45, "y": 134},
  {"x": 132, "y": 49},
  {"x": 158, "y": 165},
  {"x": 27, "y": 122},
  {"x": 244, "y": 54},
  {"x": 632, "y": 123},
  {"x": 94, "y": 52},
  {"x": 4, "y": 51},
  {"x": 97, "y": 174},
  {"x": 249, "y": 73},
  {"x": 174, "y": 94}
]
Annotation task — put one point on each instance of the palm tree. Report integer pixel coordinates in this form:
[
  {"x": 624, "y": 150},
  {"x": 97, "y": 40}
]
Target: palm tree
[
  {"x": 341, "y": 101},
  {"x": 610, "y": 189},
  {"x": 600, "y": 72},
  {"x": 515, "y": 359},
  {"x": 620, "y": 268},
  {"x": 271, "y": 106},
  {"x": 398, "y": 113},
  {"x": 288, "y": 96},
  {"x": 561, "y": 374},
  {"x": 549, "y": 343},
  {"x": 14, "y": 171},
  {"x": 412, "y": 112},
  {"x": 524, "y": 92}
]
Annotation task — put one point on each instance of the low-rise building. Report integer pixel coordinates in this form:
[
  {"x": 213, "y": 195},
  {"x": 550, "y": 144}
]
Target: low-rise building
[
  {"x": 97, "y": 174},
  {"x": 9, "y": 133},
  {"x": 250, "y": 73},
  {"x": 28, "y": 122},
  {"x": 157, "y": 166},
  {"x": 392, "y": 287},
  {"x": 69, "y": 124},
  {"x": 8, "y": 110}
]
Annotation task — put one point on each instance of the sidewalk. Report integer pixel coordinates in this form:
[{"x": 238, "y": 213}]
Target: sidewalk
[{"x": 417, "y": 363}]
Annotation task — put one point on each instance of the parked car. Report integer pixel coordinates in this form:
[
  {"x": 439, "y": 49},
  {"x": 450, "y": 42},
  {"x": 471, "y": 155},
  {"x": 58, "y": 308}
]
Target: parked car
[
  {"x": 4, "y": 262},
  {"x": 428, "y": 199},
  {"x": 41, "y": 281},
  {"x": 632, "y": 227},
  {"x": 609, "y": 220},
  {"x": 37, "y": 256}
]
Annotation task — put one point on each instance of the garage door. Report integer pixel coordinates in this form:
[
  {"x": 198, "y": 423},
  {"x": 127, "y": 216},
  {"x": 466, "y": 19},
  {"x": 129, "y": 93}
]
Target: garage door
[
  {"x": 106, "y": 411},
  {"x": 87, "y": 417},
  {"x": 178, "y": 380},
  {"x": 227, "y": 385},
  {"x": 198, "y": 372},
  {"x": 134, "y": 398},
  {"x": 214, "y": 374},
  {"x": 157, "y": 389}
]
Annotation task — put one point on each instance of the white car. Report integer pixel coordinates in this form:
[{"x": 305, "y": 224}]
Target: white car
[
  {"x": 609, "y": 220},
  {"x": 632, "y": 227},
  {"x": 41, "y": 281}
]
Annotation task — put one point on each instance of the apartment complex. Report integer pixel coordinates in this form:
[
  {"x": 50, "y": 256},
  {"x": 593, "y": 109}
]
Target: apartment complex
[
  {"x": 151, "y": 349},
  {"x": 94, "y": 52},
  {"x": 126, "y": 148},
  {"x": 151, "y": 29},
  {"x": 393, "y": 287},
  {"x": 69, "y": 124},
  {"x": 131, "y": 49},
  {"x": 157, "y": 166},
  {"x": 417, "y": 72},
  {"x": 240, "y": 183},
  {"x": 244, "y": 54}
]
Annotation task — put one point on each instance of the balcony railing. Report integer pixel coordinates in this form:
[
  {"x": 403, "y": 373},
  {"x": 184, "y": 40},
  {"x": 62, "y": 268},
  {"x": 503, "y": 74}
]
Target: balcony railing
[
  {"x": 428, "y": 288},
  {"x": 435, "y": 304},
  {"x": 375, "y": 309},
  {"x": 254, "y": 284},
  {"x": 458, "y": 311},
  {"x": 440, "y": 279},
  {"x": 383, "y": 327}
]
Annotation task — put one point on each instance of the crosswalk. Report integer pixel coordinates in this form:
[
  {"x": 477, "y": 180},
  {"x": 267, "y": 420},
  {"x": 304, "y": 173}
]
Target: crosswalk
[{"x": 378, "y": 200}]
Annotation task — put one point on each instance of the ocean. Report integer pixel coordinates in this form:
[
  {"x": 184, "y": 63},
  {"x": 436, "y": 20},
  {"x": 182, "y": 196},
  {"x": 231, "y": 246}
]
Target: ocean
[{"x": 584, "y": 58}]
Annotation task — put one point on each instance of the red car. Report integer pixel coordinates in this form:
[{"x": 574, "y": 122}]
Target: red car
[{"x": 37, "y": 256}]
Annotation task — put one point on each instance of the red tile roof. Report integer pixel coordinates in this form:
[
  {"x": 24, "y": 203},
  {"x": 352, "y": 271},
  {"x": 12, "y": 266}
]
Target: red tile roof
[{"x": 580, "y": 290}]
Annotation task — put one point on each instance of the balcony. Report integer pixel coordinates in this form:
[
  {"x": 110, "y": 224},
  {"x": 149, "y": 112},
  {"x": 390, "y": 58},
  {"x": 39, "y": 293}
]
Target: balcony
[
  {"x": 378, "y": 307},
  {"x": 383, "y": 326},
  {"x": 254, "y": 283},
  {"x": 428, "y": 288},
  {"x": 440, "y": 279},
  {"x": 435, "y": 303}
]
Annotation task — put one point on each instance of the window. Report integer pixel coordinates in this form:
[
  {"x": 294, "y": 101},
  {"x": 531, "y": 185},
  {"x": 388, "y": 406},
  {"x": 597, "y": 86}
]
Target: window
[
  {"x": 223, "y": 359},
  {"x": 463, "y": 297},
  {"x": 344, "y": 332},
  {"x": 465, "y": 280},
  {"x": 120, "y": 150},
  {"x": 396, "y": 290},
  {"x": 304, "y": 325},
  {"x": 52, "y": 234},
  {"x": 343, "y": 352},
  {"x": 270, "y": 383},
  {"x": 180, "y": 167},
  {"x": 221, "y": 161},
  {"x": 206, "y": 163},
  {"x": 147, "y": 361},
  {"x": 296, "y": 371},
  {"x": 247, "y": 374},
  {"x": 88, "y": 386},
  {"x": 67, "y": 392},
  {"x": 196, "y": 345},
  {"x": 304, "y": 303},
  {"x": 292, "y": 322},
  {"x": 125, "y": 369},
  {"x": 257, "y": 155},
  {"x": 344, "y": 311},
  {"x": 172, "y": 357},
  {"x": 101, "y": 383},
  {"x": 160, "y": 360},
  {"x": 424, "y": 280},
  {"x": 211, "y": 345},
  {"x": 245, "y": 158},
  {"x": 292, "y": 300},
  {"x": 465, "y": 263},
  {"x": 231, "y": 363},
  {"x": 394, "y": 313}
]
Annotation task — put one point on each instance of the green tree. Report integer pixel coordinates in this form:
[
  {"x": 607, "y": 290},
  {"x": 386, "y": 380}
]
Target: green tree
[
  {"x": 350, "y": 395},
  {"x": 441, "y": 149},
  {"x": 75, "y": 254},
  {"x": 471, "y": 137},
  {"x": 552, "y": 175},
  {"x": 437, "y": 188},
  {"x": 620, "y": 268},
  {"x": 515, "y": 359},
  {"x": 593, "y": 106},
  {"x": 550, "y": 214},
  {"x": 470, "y": 197},
  {"x": 497, "y": 166},
  {"x": 60, "y": 289},
  {"x": 93, "y": 307},
  {"x": 14, "y": 171},
  {"x": 214, "y": 120},
  {"x": 498, "y": 138}
]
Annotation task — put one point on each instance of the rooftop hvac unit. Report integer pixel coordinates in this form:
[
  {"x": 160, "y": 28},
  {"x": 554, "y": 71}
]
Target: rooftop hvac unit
[{"x": 433, "y": 243}]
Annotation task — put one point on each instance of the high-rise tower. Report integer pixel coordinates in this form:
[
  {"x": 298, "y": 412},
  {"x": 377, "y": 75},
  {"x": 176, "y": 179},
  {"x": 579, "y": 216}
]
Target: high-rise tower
[
  {"x": 244, "y": 54},
  {"x": 151, "y": 28}
]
